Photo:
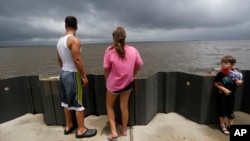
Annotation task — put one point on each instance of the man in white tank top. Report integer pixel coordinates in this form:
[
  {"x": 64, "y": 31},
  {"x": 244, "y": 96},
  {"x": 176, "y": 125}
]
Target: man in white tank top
[{"x": 73, "y": 79}]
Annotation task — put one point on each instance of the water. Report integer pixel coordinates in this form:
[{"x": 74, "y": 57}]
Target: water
[{"x": 196, "y": 57}]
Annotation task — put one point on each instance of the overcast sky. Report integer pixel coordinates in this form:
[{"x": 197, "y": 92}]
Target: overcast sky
[{"x": 41, "y": 21}]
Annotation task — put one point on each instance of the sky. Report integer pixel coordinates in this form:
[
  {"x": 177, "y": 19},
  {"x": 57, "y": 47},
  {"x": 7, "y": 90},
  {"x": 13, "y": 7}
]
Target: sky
[{"x": 42, "y": 21}]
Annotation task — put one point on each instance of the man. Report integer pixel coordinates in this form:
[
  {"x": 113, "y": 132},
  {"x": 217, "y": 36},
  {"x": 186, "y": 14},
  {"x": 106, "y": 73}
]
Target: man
[{"x": 72, "y": 79}]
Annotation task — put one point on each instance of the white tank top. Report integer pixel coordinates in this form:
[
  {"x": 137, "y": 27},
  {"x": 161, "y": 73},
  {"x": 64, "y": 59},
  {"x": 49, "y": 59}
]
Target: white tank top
[{"x": 66, "y": 55}]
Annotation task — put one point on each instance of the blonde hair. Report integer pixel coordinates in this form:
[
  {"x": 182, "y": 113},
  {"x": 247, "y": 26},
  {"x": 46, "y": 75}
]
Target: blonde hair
[{"x": 119, "y": 36}]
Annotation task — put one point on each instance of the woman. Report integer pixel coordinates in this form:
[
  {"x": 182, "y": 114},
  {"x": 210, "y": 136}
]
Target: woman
[{"x": 121, "y": 63}]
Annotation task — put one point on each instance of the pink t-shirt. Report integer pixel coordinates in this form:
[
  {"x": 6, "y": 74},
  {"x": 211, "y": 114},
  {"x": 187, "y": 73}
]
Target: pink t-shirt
[{"x": 121, "y": 70}]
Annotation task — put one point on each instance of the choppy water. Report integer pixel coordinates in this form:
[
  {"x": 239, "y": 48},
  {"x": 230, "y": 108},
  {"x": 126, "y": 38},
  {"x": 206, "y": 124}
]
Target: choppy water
[{"x": 197, "y": 57}]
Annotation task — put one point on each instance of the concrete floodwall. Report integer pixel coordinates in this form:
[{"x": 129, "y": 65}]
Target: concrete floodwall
[
  {"x": 146, "y": 99},
  {"x": 195, "y": 97},
  {"x": 170, "y": 92},
  {"x": 15, "y": 98},
  {"x": 245, "y": 104},
  {"x": 48, "y": 103},
  {"x": 34, "y": 87},
  {"x": 100, "y": 94},
  {"x": 192, "y": 96},
  {"x": 89, "y": 97}
]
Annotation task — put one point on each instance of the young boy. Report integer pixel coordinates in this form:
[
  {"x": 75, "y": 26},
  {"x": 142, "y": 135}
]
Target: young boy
[{"x": 226, "y": 81}]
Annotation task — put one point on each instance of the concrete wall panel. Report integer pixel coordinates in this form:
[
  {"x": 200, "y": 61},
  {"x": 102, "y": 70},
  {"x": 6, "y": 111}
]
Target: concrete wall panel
[{"x": 15, "y": 98}]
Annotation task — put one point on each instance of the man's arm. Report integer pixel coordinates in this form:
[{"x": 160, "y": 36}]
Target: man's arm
[
  {"x": 75, "y": 50},
  {"x": 225, "y": 90},
  {"x": 59, "y": 60}
]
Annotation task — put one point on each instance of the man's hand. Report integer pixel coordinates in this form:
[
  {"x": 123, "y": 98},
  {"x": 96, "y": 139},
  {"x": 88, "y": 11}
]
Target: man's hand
[{"x": 85, "y": 81}]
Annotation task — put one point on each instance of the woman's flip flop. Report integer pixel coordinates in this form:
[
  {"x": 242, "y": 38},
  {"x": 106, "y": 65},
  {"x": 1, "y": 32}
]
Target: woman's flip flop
[
  {"x": 110, "y": 138},
  {"x": 120, "y": 129}
]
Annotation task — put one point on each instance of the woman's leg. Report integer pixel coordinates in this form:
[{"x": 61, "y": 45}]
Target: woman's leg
[
  {"x": 124, "y": 97},
  {"x": 110, "y": 100}
]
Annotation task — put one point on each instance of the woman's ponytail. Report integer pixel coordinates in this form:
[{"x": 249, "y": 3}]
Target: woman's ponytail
[{"x": 119, "y": 36}]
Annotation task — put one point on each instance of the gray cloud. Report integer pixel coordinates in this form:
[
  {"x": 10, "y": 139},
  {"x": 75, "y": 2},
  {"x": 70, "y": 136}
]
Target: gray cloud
[{"x": 42, "y": 20}]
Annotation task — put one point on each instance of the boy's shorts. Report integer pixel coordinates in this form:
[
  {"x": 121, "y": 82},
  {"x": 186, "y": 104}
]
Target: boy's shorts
[
  {"x": 71, "y": 90},
  {"x": 226, "y": 106}
]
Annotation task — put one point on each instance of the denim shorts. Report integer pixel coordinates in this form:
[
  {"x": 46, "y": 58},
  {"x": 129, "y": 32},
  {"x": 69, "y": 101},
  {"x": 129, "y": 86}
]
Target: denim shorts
[{"x": 126, "y": 89}]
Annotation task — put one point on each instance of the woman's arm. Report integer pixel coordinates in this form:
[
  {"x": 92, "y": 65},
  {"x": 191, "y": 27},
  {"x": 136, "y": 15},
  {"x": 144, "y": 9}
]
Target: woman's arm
[
  {"x": 136, "y": 70},
  {"x": 106, "y": 73}
]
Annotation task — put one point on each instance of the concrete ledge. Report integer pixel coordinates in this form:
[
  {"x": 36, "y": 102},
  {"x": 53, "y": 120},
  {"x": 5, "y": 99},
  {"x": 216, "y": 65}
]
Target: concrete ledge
[{"x": 192, "y": 96}]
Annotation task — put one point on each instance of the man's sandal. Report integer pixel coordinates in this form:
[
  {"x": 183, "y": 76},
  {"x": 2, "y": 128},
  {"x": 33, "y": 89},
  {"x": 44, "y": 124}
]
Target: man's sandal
[{"x": 66, "y": 132}]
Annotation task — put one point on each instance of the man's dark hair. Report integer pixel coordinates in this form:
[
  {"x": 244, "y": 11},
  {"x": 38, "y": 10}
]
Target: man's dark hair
[{"x": 71, "y": 22}]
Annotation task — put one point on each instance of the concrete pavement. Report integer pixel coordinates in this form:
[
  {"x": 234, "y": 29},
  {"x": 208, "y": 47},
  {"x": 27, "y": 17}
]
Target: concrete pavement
[
  {"x": 32, "y": 128},
  {"x": 164, "y": 127}
]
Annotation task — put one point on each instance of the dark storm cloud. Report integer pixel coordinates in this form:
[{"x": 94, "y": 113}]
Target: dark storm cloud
[
  {"x": 168, "y": 14},
  {"x": 42, "y": 20}
]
